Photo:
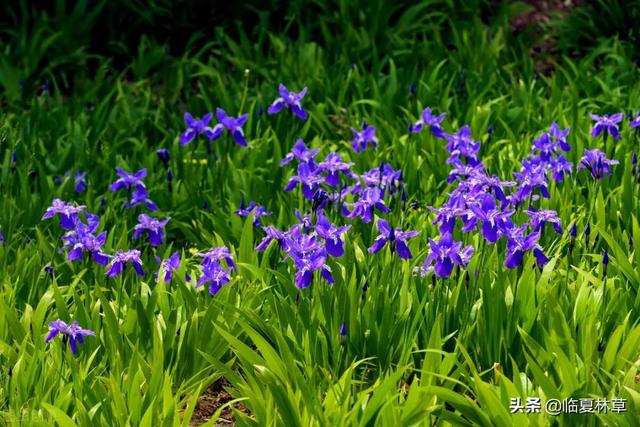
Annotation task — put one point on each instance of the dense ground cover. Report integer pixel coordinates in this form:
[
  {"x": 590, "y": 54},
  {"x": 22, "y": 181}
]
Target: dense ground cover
[{"x": 388, "y": 342}]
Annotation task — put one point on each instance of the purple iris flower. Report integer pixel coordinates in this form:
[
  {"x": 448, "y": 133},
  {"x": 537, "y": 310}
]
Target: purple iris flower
[
  {"x": 430, "y": 120},
  {"x": 490, "y": 216},
  {"x": 597, "y": 163},
  {"x": 396, "y": 238},
  {"x": 446, "y": 216},
  {"x": 217, "y": 254},
  {"x": 369, "y": 199},
  {"x": 559, "y": 136},
  {"x": 463, "y": 171},
  {"x": 300, "y": 152},
  {"x": 2, "y": 240},
  {"x": 331, "y": 235},
  {"x": 383, "y": 177},
  {"x": 541, "y": 217},
  {"x": 120, "y": 258},
  {"x": 560, "y": 167},
  {"x": 128, "y": 180},
  {"x": 334, "y": 165},
  {"x": 73, "y": 333},
  {"x": 272, "y": 234},
  {"x": 68, "y": 213},
  {"x": 80, "y": 181},
  {"x": 533, "y": 175},
  {"x": 167, "y": 267},
  {"x": 518, "y": 244},
  {"x": 607, "y": 124},
  {"x": 233, "y": 125},
  {"x": 154, "y": 228},
  {"x": 309, "y": 179},
  {"x": 82, "y": 238},
  {"x": 362, "y": 139},
  {"x": 164, "y": 156},
  {"x": 308, "y": 255},
  {"x": 462, "y": 144},
  {"x": 444, "y": 254},
  {"x": 197, "y": 127},
  {"x": 290, "y": 100},
  {"x": 635, "y": 123},
  {"x": 258, "y": 212},
  {"x": 216, "y": 275},
  {"x": 140, "y": 196}
]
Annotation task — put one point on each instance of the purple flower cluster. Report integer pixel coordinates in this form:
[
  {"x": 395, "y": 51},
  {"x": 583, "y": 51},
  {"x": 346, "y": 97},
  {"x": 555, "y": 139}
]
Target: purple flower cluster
[
  {"x": 214, "y": 271},
  {"x": 488, "y": 204},
  {"x": 233, "y": 125},
  {"x": 309, "y": 246}
]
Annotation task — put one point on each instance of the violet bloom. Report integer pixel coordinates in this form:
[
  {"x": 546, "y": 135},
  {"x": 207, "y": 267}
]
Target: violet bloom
[
  {"x": 362, "y": 139},
  {"x": 430, "y": 120},
  {"x": 607, "y": 124},
  {"x": 300, "y": 152},
  {"x": 396, "y": 238},
  {"x": 462, "y": 144},
  {"x": 217, "y": 254},
  {"x": 290, "y": 100},
  {"x": 533, "y": 175},
  {"x": 154, "y": 228},
  {"x": 559, "y": 136},
  {"x": 369, "y": 199},
  {"x": 541, "y": 217},
  {"x": 308, "y": 255},
  {"x": 335, "y": 165},
  {"x": 216, "y": 276},
  {"x": 331, "y": 235},
  {"x": 560, "y": 167},
  {"x": 68, "y": 213},
  {"x": 82, "y": 239},
  {"x": 383, "y": 177},
  {"x": 309, "y": 179},
  {"x": 2, "y": 240},
  {"x": 79, "y": 179},
  {"x": 197, "y": 127},
  {"x": 490, "y": 216},
  {"x": 120, "y": 258},
  {"x": 258, "y": 212},
  {"x": 167, "y": 267},
  {"x": 446, "y": 253},
  {"x": 446, "y": 216},
  {"x": 463, "y": 171},
  {"x": 518, "y": 244},
  {"x": 272, "y": 234},
  {"x": 233, "y": 125},
  {"x": 635, "y": 123},
  {"x": 128, "y": 180},
  {"x": 597, "y": 163},
  {"x": 72, "y": 333},
  {"x": 140, "y": 196}
]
